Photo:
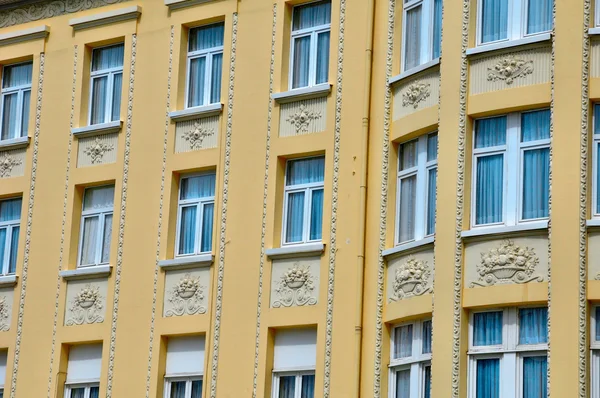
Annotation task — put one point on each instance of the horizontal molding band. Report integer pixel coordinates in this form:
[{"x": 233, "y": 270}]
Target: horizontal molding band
[
  {"x": 104, "y": 18},
  {"x": 177, "y": 4},
  {"x": 304, "y": 250},
  {"x": 97, "y": 129},
  {"x": 320, "y": 90},
  {"x": 37, "y": 32},
  {"x": 408, "y": 246},
  {"x": 196, "y": 112},
  {"x": 96, "y": 271},
  {"x": 203, "y": 260}
]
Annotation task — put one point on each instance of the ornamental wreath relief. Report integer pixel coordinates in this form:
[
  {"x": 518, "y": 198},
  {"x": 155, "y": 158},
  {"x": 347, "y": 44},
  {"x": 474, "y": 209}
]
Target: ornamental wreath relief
[
  {"x": 195, "y": 137},
  {"x": 186, "y": 297},
  {"x": 302, "y": 118},
  {"x": 411, "y": 279},
  {"x": 86, "y": 307},
  {"x": 510, "y": 68},
  {"x": 295, "y": 287},
  {"x": 415, "y": 93}
]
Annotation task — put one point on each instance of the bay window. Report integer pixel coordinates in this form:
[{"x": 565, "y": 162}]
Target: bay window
[
  {"x": 10, "y": 222},
  {"x": 96, "y": 225},
  {"x": 16, "y": 97},
  {"x": 204, "y": 65},
  {"x": 184, "y": 367},
  {"x": 195, "y": 214},
  {"x": 422, "y": 32},
  {"x": 106, "y": 79},
  {"x": 294, "y": 363},
  {"x": 83, "y": 371}
]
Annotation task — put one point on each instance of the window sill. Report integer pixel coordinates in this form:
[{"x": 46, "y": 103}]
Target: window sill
[
  {"x": 94, "y": 271},
  {"x": 97, "y": 129},
  {"x": 292, "y": 251},
  {"x": 202, "y": 260},
  {"x": 594, "y": 31},
  {"x": 15, "y": 143},
  {"x": 408, "y": 246},
  {"x": 104, "y": 18},
  {"x": 176, "y": 4},
  {"x": 196, "y": 112},
  {"x": 38, "y": 32},
  {"x": 320, "y": 90},
  {"x": 413, "y": 71},
  {"x": 503, "y": 230},
  {"x": 593, "y": 223},
  {"x": 509, "y": 44},
  {"x": 8, "y": 280}
]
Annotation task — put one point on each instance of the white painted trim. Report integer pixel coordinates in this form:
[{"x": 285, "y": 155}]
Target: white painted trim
[
  {"x": 594, "y": 31},
  {"x": 320, "y": 90},
  {"x": 202, "y": 260},
  {"x": 594, "y": 222},
  {"x": 196, "y": 112},
  {"x": 94, "y": 271},
  {"x": 97, "y": 129},
  {"x": 107, "y": 17},
  {"x": 14, "y": 143},
  {"x": 177, "y": 4},
  {"x": 303, "y": 250},
  {"x": 408, "y": 246},
  {"x": 509, "y": 44},
  {"x": 502, "y": 230},
  {"x": 414, "y": 71},
  {"x": 8, "y": 280},
  {"x": 37, "y": 32}
]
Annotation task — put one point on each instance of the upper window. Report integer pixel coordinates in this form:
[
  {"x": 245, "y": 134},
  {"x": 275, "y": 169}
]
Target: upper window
[
  {"x": 410, "y": 362},
  {"x": 303, "y": 202},
  {"x": 16, "y": 95},
  {"x": 184, "y": 367},
  {"x": 205, "y": 64},
  {"x": 500, "y": 20},
  {"x": 195, "y": 214},
  {"x": 311, "y": 24},
  {"x": 422, "y": 38},
  {"x": 417, "y": 178},
  {"x": 83, "y": 371},
  {"x": 106, "y": 82},
  {"x": 511, "y": 165},
  {"x": 596, "y": 167},
  {"x": 3, "y": 355},
  {"x": 10, "y": 221},
  {"x": 294, "y": 360},
  {"x": 96, "y": 225}
]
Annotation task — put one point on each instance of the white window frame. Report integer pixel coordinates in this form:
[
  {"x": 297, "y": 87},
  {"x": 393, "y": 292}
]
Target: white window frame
[
  {"x": 110, "y": 73},
  {"x": 20, "y": 90},
  {"x": 200, "y": 203},
  {"x": 427, "y": 34},
  {"x": 87, "y": 386},
  {"x": 312, "y": 64},
  {"x": 9, "y": 225},
  {"x": 513, "y": 155},
  {"x": 207, "y": 53},
  {"x": 595, "y": 159},
  {"x": 298, "y": 374},
  {"x": 188, "y": 385},
  {"x": 101, "y": 213},
  {"x": 594, "y": 356}
]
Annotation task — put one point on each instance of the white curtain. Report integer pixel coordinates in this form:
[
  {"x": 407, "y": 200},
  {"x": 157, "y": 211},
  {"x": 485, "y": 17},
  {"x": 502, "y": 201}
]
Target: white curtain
[
  {"x": 287, "y": 386},
  {"x": 539, "y": 16},
  {"x": 403, "y": 384},
  {"x": 196, "y": 82},
  {"x": 108, "y": 57},
  {"x": 311, "y": 15},
  {"x": 89, "y": 242},
  {"x": 494, "y": 20},
  {"x": 403, "y": 337},
  {"x": 197, "y": 187},
  {"x": 407, "y": 207},
  {"x": 107, "y": 237},
  {"x": 301, "y": 62},
  {"x": 208, "y": 36},
  {"x": 99, "y": 99},
  {"x": 10, "y": 209},
  {"x": 412, "y": 42},
  {"x": 99, "y": 197}
]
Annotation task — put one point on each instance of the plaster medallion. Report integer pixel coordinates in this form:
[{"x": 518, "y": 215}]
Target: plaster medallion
[
  {"x": 295, "y": 287},
  {"x": 97, "y": 150},
  {"x": 510, "y": 68},
  {"x": 186, "y": 297},
  {"x": 302, "y": 118},
  {"x": 411, "y": 279},
  {"x": 415, "y": 93},
  {"x": 7, "y": 162},
  {"x": 86, "y": 307},
  {"x": 196, "y": 135}
]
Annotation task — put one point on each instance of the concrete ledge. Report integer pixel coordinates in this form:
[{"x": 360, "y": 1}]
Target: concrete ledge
[
  {"x": 303, "y": 250},
  {"x": 15, "y": 143},
  {"x": 408, "y": 246},
  {"x": 203, "y": 260},
  {"x": 104, "y": 18},
  {"x": 503, "y": 230},
  {"x": 97, "y": 129},
  {"x": 508, "y": 44},
  {"x": 414, "y": 71},
  {"x": 8, "y": 280},
  {"x": 95, "y": 271},
  {"x": 176, "y": 4},
  {"x": 196, "y": 112},
  {"x": 320, "y": 90},
  {"x": 37, "y": 32}
]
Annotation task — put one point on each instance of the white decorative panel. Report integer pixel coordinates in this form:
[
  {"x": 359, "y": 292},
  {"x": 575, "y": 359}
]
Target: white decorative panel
[
  {"x": 410, "y": 275},
  {"x": 85, "y": 363},
  {"x": 186, "y": 292},
  {"x": 100, "y": 149},
  {"x": 506, "y": 261},
  {"x": 86, "y": 301},
  {"x": 295, "y": 282},
  {"x": 12, "y": 163},
  {"x": 595, "y": 61},
  {"x": 303, "y": 117},
  {"x": 594, "y": 254},
  {"x": 416, "y": 92},
  {"x": 295, "y": 349},
  {"x": 6, "y": 306},
  {"x": 192, "y": 135},
  {"x": 510, "y": 69}
]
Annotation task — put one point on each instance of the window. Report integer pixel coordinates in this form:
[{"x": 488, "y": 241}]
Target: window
[
  {"x": 185, "y": 367},
  {"x": 507, "y": 353},
  {"x": 311, "y": 24},
  {"x": 294, "y": 361},
  {"x": 3, "y": 356},
  {"x": 205, "y": 64},
  {"x": 410, "y": 362},
  {"x": 596, "y": 162},
  {"x": 511, "y": 168},
  {"x": 10, "y": 221},
  {"x": 16, "y": 96},
  {"x": 303, "y": 204},
  {"x": 595, "y": 357},
  {"x": 83, "y": 371},
  {"x": 417, "y": 178},
  {"x": 500, "y": 20},
  {"x": 195, "y": 214},
  {"x": 96, "y": 225},
  {"x": 422, "y": 38},
  {"x": 106, "y": 83}
]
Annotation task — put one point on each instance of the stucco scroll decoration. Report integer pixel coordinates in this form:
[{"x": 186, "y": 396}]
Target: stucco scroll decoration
[
  {"x": 86, "y": 307},
  {"x": 97, "y": 150},
  {"x": 411, "y": 279},
  {"x": 302, "y": 118},
  {"x": 510, "y": 68},
  {"x": 7, "y": 162},
  {"x": 186, "y": 297},
  {"x": 295, "y": 287},
  {"x": 4, "y": 312},
  {"x": 196, "y": 136},
  {"x": 416, "y": 93},
  {"x": 509, "y": 263}
]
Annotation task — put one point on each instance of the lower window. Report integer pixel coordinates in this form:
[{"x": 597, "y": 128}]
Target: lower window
[
  {"x": 190, "y": 387},
  {"x": 82, "y": 391},
  {"x": 294, "y": 385}
]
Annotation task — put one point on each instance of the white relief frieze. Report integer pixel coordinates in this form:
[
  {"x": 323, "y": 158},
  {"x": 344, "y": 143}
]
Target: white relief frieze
[
  {"x": 296, "y": 287},
  {"x": 411, "y": 279},
  {"x": 4, "y": 314},
  {"x": 195, "y": 136},
  {"x": 86, "y": 306},
  {"x": 7, "y": 162},
  {"x": 97, "y": 150},
  {"x": 415, "y": 93},
  {"x": 302, "y": 118},
  {"x": 510, "y": 68},
  {"x": 186, "y": 297}
]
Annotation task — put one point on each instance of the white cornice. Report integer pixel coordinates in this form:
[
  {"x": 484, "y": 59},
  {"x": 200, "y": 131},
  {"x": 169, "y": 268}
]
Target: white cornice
[
  {"x": 37, "y": 32},
  {"x": 176, "y": 4},
  {"x": 107, "y": 17}
]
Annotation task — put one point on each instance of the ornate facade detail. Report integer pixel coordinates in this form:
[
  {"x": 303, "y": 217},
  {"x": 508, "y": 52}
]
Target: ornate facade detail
[
  {"x": 4, "y": 314},
  {"x": 97, "y": 150},
  {"x": 186, "y": 297},
  {"x": 295, "y": 288},
  {"x": 508, "y": 263},
  {"x": 411, "y": 279},
  {"x": 196, "y": 136},
  {"x": 7, "y": 162},
  {"x": 510, "y": 68},
  {"x": 415, "y": 93},
  {"x": 86, "y": 307},
  {"x": 302, "y": 118}
]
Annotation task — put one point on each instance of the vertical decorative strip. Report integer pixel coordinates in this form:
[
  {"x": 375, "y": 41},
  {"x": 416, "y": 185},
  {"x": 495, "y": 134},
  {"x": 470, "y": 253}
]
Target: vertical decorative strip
[
  {"x": 265, "y": 194},
  {"x": 115, "y": 312},
  {"x": 64, "y": 222},
  {"x": 160, "y": 211},
  {"x": 34, "y": 164},
  {"x": 221, "y": 271}
]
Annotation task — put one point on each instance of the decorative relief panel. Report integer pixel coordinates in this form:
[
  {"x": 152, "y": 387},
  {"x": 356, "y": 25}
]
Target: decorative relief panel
[
  {"x": 410, "y": 275},
  {"x": 186, "y": 292},
  {"x": 508, "y": 261},
  {"x": 416, "y": 93},
  {"x": 100, "y": 149},
  {"x": 303, "y": 117},
  {"x": 86, "y": 301},
  {"x": 595, "y": 61},
  {"x": 12, "y": 163},
  {"x": 192, "y": 135},
  {"x": 594, "y": 254},
  {"x": 295, "y": 282},
  {"x": 508, "y": 70},
  {"x": 6, "y": 306}
]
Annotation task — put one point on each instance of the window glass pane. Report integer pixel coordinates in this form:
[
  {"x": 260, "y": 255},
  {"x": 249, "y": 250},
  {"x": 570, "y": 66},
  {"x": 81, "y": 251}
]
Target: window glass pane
[
  {"x": 426, "y": 337},
  {"x": 116, "y": 97},
  {"x": 305, "y": 171},
  {"x": 427, "y": 382},
  {"x": 431, "y": 200},
  {"x": 310, "y": 15},
  {"x": 488, "y": 378},
  {"x": 488, "y": 196},
  {"x": 490, "y": 132},
  {"x": 539, "y": 16},
  {"x": 437, "y": 28},
  {"x": 25, "y": 113},
  {"x": 14, "y": 247},
  {"x": 597, "y": 119},
  {"x": 533, "y": 325},
  {"x": 77, "y": 392},
  {"x": 9, "y": 116},
  {"x": 89, "y": 240},
  {"x": 316, "y": 214},
  {"x": 412, "y": 42},
  {"x": 196, "y": 389},
  {"x": 322, "y": 58},
  {"x": 215, "y": 78},
  {"x": 487, "y": 328},
  {"x": 407, "y": 206},
  {"x": 187, "y": 230},
  {"x": 536, "y": 181},
  {"x": 597, "y": 323},
  {"x": 287, "y": 386},
  {"x": 107, "y": 57},
  {"x": 94, "y": 392},
  {"x": 3, "y": 239},
  {"x": 408, "y": 155},
  {"x": 598, "y": 177},
  {"x": 295, "y": 217},
  {"x": 535, "y": 125},
  {"x": 17, "y": 75},
  {"x": 178, "y": 389},
  {"x": 99, "y": 198},
  {"x": 403, "y": 384},
  {"x": 403, "y": 338},
  {"x": 308, "y": 386},
  {"x": 301, "y": 62},
  {"x": 99, "y": 99},
  {"x": 494, "y": 20},
  {"x": 204, "y": 37},
  {"x": 535, "y": 372},
  {"x": 207, "y": 226},
  {"x": 432, "y": 144},
  {"x": 202, "y": 186},
  {"x": 196, "y": 82},
  {"x": 106, "y": 238},
  {"x": 10, "y": 209}
]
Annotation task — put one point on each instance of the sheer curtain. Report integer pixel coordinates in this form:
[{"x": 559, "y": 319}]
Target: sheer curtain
[
  {"x": 215, "y": 78},
  {"x": 295, "y": 217},
  {"x": 106, "y": 58},
  {"x": 196, "y": 187},
  {"x": 196, "y": 82},
  {"x": 287, "y": 386},
  {"x": 99, "y": 95},
  {"x": 408, "y": 198},
  {"x": 106, "y": 238},
  {"x": 89, "y": 243},
  {"x": 403, "y": 337},
  {"x": 15, "y": 76},
  {"x": 535, "y": 126},
  {"x": 533, "y": 325},
  {"x": 539, "y": 16},
  {"x": 412, "y": 42},
  {"x": 488, "y": 378},
  {"x": 196, "y": 389},
  {"x": 437, "y": 28},
  {"x": 9, "y": 116},
  {"x": 427, "y": 389},
  {"x": 316, "y": 214},
  {"x": 301, "y": 62},
  {"x": 426, "y": 337},
  {"x": 77, "y": 392},
  {"x": 187, "y": 230},
  {"x": 208, "y": 211},
  {"x": 535, "y": 372},
  {"x": 308, "y": 386},
  {"x": 94, "y": 392},
  {"x": 203, "y": 38},
  {"x": 322, "y": 58},
  {"x": 311, "y": 15},
  {"x": 494, "y": 20},
  {"x": 487, "y": 328},
  {"x": 116, "y": 97},
  {"x": 178, "y": 389},
  {"x": 99, "y": 197},
  {"x": 403, "y": 384},
  {"x": 10, "y": 209},
  {"x": 305, "y": 171}
]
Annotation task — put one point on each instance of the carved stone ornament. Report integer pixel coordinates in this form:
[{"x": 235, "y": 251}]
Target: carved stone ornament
[
  {"x": 186, "y": 297},
  {"x": 4, "y": 313},
  {"x": 196, "y": 136},
  {"x": 295, "y": 287},
  {"x": 302, "y": 118},
  {"x": 509, "y": 68},
  {"x": 508, "y": 263},
  {"x": 86, "y": 307},
  {"x": 411, "y": 279},
  {"x": 416, "y": 93},
  {"x": 7, "y": 162},
  {"x": 97, "y": 150}
]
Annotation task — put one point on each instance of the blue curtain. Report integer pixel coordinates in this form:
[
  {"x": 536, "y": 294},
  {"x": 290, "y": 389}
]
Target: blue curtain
[
  {"x": 305, "y": 171},
  {"x": 287, "y": 386},
  {"x": 202, "y": 38},
  {"x": 488, "y": 196},
  {"x": 295, "y": 217},
  {"x": 94, "y": 392},
  {"x": 14, "y": 246},
  {"x": 99, "y": 197},
  {"x": 487, "y": 328},
  {"x": 205, "y": 37},
  {"x": 215, "y": 78},
  {"x": 207, "y": 226},
  {"x": 311, "y": 15},
  {"x": 432, "y": 144},
  {"x": 301, "y": 62},
  {"x": 196, "y": 187},
  {"x": 106, "y": 238},
  {"x": 17, "y": 75},
  {"x": 196, "y": 82},
  {"x": 178, "y": 389},
  {"x": 196, "y": 389},
  {"x": 533, "y": 325},
  {"x": 597, "y": 323},
  {"x": 107, "y": 57},
  {"x": 535, "y": 372},
  {"x": 403, "y": 384},
  {"x": 431, "y": 200},
  {"x": 539, "y": 16},
  {"x": 99, "y": 95},
  {"x": 490, "y": 132},
  {"x": 403, "y": 338},
  {"x": 488, "y": 378},
  {"x": 427, "y": 389},
  {"x": 536, "y": 180},
  {"x": 116, "y": 97},
  {"x": 316, "y": 214},
  {"x": 407, "y": 207},
  {"x": 308, "y": 386},
  {"x": 426, "y": 337},
  {"x": 10, "y": 107},
  {"x": 322, "y": 58},
  {"x": 187, "y": 230},
  {"x": 14, "y": 76},
  {"x": 3, "y": 235},
  {"x": 412, "y": 42},
  {"x": 494, "y": 20},
  {"x": 10, "y": 209},
  {"x": 535, "y": 125},
  {"x": 25, "y": 113},
  {"x": 437, "y": 28}
]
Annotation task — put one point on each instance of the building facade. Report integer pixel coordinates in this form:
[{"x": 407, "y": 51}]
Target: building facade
[{"x": 299, "y": 199}]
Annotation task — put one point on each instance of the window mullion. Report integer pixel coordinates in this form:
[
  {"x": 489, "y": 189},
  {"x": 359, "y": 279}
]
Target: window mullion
[
  {"x": 421, "y": 187},
  {"x": 298, "y": 392},
  {"x": 306, "y": 221},
  {"x": 512, "y": 163},
  {"x": 6, "y": 254},
  {"x": 198, "y": 222}
]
